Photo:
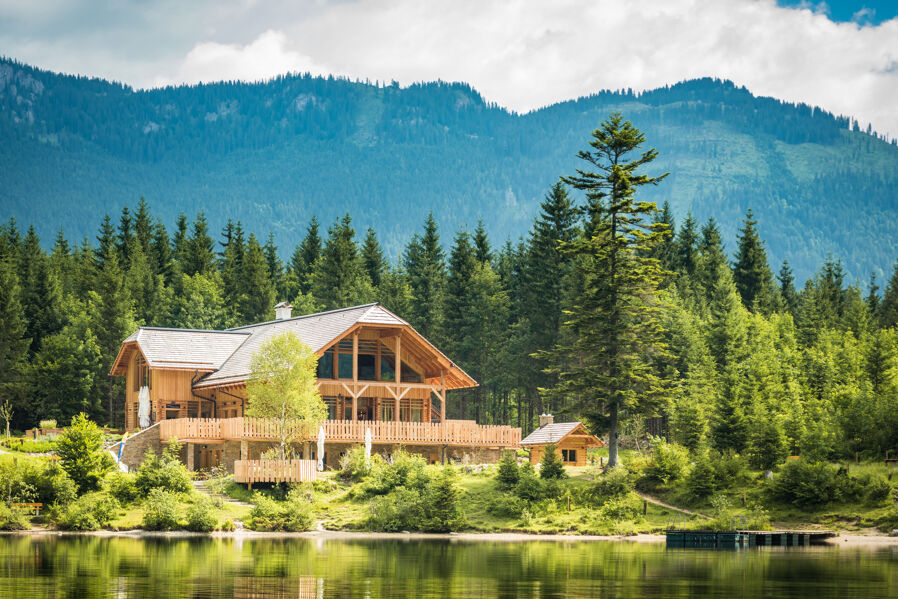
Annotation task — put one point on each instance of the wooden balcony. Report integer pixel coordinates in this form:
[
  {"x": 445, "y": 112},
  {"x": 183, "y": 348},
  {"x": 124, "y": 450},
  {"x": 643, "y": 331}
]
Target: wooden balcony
[{"x": 465, "y": 433}]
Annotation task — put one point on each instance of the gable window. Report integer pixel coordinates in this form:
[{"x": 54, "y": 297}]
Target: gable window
[{"x": 141, "y": 373}]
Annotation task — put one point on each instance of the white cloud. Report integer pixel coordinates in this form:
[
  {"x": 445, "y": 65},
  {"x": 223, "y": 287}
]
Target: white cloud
[
  {"x": 522, "y": 54},
  {"x": 263, "y": 58}
]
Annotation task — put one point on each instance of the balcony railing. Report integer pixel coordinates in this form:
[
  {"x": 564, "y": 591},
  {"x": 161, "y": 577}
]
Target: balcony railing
[{"x": 451, "y": 432}]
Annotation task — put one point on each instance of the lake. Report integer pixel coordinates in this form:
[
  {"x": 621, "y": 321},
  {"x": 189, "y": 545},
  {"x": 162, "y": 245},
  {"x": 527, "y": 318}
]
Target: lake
[{"x": 85, "y": 567}]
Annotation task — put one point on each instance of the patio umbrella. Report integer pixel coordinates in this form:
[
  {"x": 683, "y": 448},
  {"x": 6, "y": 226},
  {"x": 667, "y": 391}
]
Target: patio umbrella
[
  {"x": 320, "y": 448},
  {"x": 367, "y": 448},
  {"x": 143, "y": 407}
]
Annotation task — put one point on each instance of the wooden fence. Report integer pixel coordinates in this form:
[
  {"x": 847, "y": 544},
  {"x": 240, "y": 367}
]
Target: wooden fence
[
  {"x": 271, "y": 471},
  {"x": 451, "y": 432}
]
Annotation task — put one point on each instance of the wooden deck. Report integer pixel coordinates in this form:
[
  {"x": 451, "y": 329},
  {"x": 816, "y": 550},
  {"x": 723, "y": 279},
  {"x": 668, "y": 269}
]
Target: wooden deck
[
  {"x": 464, "y": 433},
  {"x": 270, "y": 471}
]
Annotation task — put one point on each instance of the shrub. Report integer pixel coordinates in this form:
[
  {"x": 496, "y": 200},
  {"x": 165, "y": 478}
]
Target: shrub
[
  {"x": 613, "y": 483},
  {"x": 92, "y": 511},
  {"x": 228, "y": 526},
  {"x": 505, "y": 505},
  {"x": 55, "y": 486},
  {"x": 551, "y": 466},
  {"x": 161, "y": 510},
  {"x": 81, "y": 453},
  {"x": 201, "y": 515},
  {"x": 619, "y": 509},
  {"x": 324, "y": 485},
  {"x": 877, "y": 488},
  {"x": 353, "y": 466},
  {"x": 292, "y": 515},
  {"x": 702, "y": 480},
  {"x": 11, "y": 519},
  {"x": 122, "y": 486},
  {"x": 804, "y": 484},
  {"x": 529, "y": 487},
  {"x": 407, "y": 470},
  {"x": 767, "y": 443},
  {"x": 402, "y": 509},
  {"x": 31, "y": 481},
  {"x": 443, "y": 514},
  {"x": 668, "y": 463},
  {"x": 47, "y": 424},
  {"x": 166, "y": 473},
  {"x": 509, "y": 472}
]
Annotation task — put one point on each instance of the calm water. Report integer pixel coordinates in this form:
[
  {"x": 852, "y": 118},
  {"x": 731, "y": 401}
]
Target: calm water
[{"x": 86, "y": 567}]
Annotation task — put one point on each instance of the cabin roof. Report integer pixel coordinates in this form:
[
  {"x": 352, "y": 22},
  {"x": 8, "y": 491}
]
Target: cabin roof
[
  {"x": 226, "y": 355},
  {"x": 555, "y": 433}
]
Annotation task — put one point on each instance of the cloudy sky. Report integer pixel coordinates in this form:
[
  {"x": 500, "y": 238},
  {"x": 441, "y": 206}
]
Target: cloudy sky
[{"x": 522, "y": 54}]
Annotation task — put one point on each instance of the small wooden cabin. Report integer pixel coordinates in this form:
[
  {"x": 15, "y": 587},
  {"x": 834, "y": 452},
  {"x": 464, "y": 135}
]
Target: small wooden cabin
[{"x": 571, "y": 438}]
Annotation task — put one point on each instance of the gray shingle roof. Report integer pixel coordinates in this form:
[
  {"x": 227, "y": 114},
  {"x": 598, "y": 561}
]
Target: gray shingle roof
[
  {"x": 315, "y": 330},
  {"x": 185, "y": 348},
  {"x": 551, "y": 433}
]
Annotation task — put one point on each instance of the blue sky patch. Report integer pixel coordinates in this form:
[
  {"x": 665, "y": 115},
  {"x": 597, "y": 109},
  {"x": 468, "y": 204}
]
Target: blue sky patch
[{"x": 863, "y": 12}]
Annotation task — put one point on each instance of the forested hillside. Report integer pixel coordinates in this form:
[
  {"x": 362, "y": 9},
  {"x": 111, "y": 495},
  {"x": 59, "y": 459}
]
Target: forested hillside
[
  {"x": 274, "y": 154},
  {"x": 743, "y": 359}
]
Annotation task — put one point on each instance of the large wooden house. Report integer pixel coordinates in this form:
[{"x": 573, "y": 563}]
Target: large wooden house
[{"x": 375, "y": 372}]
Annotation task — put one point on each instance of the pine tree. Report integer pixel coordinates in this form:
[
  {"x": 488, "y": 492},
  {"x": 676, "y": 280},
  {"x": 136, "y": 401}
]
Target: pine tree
[
  {"x": 665, "y": 251},
  {"x": 373, "y": 258},
  {"x": 161, "y": 253},
  {"x": 614, "y": 320},
  {"x": 425, "y": 267},
  {"x": 304, "y": 258},
  {"x": 710, "y": 258},
  {"x": 339, "y": 279},
  {"x": 61, "y": 264},
  {"x": 14, "y": 343},
  {"x": 482, "y": 250},
  {"x": 727, "y": 326},
  {"x": 105, "y": 243},
  {"x": 508, "y": 473},
  {"x": 41, "y": 296},
  {"x": 872, "y": 299},
  {"x": 275, "y": 268},
  {"x": 111, "y": 320},
  {"x": 462, "y": 264},
  {"x": 394, "y": 291},
  {"x": 125, "y": 238},
  {"x": 686, "y": 246},
  {"x": 888, "y": 309},
  {"x": 180, "y": 242},
  {"x": 787, "y": 288},
  {"x": 144, "y": 231},
  {"x": 729, "y": 431},
  {"x": 256, "y": 298},
  {"x": 544, "y": 272},
  {"x": 231, "y": 266},
  {"x": 200, "y": 250},
  {"x": 751, "y": 273},
  {"x": 551, "y": 466}
]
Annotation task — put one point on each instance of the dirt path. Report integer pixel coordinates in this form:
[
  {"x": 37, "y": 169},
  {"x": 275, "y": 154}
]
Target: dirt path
[{"x": 664, "y": 504}]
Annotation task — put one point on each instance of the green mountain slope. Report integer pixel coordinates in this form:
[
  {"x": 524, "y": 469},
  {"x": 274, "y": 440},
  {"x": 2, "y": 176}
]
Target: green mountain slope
[{"x": 273, "y": 154}]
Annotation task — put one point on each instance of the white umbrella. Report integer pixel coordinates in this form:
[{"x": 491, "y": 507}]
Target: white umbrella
[
  {"x": 143, "y": 407},
  {"x": 367, "y": 448},
  {"x": 320, "y": 448}
]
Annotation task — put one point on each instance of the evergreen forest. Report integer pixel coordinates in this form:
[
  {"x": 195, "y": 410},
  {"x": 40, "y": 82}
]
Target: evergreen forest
[{"x": 609, "y": 309}]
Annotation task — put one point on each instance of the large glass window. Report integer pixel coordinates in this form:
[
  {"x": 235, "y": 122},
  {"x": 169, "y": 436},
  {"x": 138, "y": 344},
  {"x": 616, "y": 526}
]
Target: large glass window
[
  {"x": 326, "y": 365},
  {"x": 386, "y": 412},
  {"x": 409, "y": 375},
  {"x": 331, "y": 404},
  {"x": 387, "y": 370},
  {"x": 344, "y": 366},
  {"x": 367, "y": 371}
]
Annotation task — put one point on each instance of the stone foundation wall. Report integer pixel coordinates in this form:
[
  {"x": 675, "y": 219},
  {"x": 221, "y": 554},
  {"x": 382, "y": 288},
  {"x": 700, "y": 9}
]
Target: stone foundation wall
[{"x": 136, "y": 446}]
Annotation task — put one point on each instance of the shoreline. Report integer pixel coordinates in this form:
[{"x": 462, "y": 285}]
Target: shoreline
[{"x": 842, "y": 540}]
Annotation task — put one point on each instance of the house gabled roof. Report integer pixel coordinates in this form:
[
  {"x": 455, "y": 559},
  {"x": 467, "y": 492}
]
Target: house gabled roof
[
  {"x": 180, "y": 349},
  {"x": 555, "y": 433},
  {"x": 226, "y": 355}
]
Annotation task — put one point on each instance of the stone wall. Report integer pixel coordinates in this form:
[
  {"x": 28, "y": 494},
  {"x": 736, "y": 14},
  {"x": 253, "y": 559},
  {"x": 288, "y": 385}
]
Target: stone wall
[{"x": 137, "y": 445}]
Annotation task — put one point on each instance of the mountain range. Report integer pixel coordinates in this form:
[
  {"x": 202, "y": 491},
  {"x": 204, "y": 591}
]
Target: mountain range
[{"x": 273, "y": 154}]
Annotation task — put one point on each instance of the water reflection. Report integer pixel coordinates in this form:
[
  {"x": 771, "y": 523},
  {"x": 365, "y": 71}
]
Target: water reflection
[{"x": 86, "y": 567}]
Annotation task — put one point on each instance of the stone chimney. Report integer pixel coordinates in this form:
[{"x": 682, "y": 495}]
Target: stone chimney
[
  {"x": 545, "y": 419},
  {"x": 283, "y": 311}
]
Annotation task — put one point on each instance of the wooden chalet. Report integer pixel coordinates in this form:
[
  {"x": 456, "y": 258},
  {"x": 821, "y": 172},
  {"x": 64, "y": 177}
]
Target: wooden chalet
[
  {"x": 571, "y": 438},
  {"x": 375, "y": 372}
]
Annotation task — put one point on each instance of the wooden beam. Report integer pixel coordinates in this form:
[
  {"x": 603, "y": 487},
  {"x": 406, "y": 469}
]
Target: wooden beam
[
  {"x": 355, "y": 375},
  {"x": 442, "y": 396},
  {"x": 398, "y": 369}
]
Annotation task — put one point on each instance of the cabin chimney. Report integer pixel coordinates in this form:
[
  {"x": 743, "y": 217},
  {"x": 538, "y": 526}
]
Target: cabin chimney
[
  {"x": 283, "y": 311},
  {"x": 545, "y": 419}
]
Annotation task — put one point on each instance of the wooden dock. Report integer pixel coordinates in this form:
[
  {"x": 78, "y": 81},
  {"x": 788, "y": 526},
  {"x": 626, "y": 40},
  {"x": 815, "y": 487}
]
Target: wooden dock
[{"x": 735, "y": 539}]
